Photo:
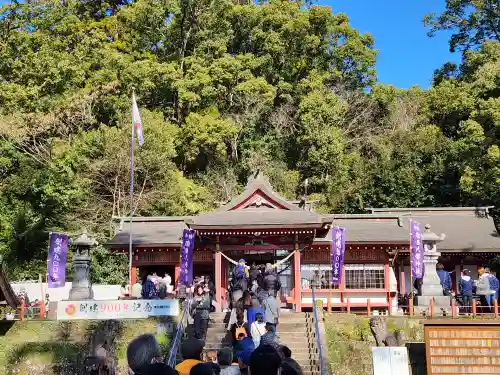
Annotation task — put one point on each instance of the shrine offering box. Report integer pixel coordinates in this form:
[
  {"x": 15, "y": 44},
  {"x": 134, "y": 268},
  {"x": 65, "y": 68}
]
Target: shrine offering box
[{"x": 462, "y": 347}]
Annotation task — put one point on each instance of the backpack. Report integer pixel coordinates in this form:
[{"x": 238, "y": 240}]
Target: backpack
[
  {"x": 162, "y": 290},
  {"x": 240, "y": 330}
]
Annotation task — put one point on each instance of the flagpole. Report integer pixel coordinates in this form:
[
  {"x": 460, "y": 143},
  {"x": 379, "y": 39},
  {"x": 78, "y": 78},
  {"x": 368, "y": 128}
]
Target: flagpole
[
  {"x": 131, "y": 198},
  {"x": 411, "y": 265}
]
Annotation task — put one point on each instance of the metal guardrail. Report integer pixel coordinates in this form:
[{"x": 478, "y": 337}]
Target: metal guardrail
[
  {"x": 174, "y": 348},
  {"x": 317, "y": 333}
]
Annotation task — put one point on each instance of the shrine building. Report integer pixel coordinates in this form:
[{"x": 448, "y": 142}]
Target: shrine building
[{"x": 261, "y": 226}]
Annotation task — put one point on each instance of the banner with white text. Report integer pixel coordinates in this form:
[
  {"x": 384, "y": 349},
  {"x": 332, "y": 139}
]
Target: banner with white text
[{"x": 116, "y": 309}]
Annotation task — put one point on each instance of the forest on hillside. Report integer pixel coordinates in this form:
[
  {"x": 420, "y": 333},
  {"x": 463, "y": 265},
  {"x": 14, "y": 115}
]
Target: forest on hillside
[{"x": 226, "y": 87}]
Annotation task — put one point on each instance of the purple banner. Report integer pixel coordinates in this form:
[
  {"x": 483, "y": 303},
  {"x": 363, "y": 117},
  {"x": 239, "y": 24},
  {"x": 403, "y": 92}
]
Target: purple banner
[
  {"x": 58, "y": 251},
  {"x": 338, "y": 250},
  {"x": 187, "y": 246},
  {"x": 417, "y": 256}
]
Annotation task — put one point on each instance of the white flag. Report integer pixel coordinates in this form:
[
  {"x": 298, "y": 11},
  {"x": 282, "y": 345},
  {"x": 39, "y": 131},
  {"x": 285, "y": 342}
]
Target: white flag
[{"x": 136, "y": 121}]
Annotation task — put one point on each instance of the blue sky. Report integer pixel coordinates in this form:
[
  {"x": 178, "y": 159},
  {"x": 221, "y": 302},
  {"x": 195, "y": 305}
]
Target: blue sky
[{"x": 407, "y": 56}]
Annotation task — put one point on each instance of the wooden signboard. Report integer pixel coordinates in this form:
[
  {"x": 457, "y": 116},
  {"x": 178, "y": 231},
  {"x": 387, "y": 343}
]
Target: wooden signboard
[{"x": 462, "y": 347}]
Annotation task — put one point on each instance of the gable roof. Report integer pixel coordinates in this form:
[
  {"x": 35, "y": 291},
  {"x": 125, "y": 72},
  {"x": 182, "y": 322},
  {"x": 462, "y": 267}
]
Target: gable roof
[
  {"x": 258, "y": 185},
  {"x": 258, "y": 218}
]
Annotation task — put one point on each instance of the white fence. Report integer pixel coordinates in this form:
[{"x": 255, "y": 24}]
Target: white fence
[{"x": 37, "y": 291}]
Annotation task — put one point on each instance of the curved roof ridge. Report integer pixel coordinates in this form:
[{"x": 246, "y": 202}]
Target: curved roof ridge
[{"x": 259, "y": 182}]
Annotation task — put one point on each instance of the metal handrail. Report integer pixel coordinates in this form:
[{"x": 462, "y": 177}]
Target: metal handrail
[
  {"x": 175, "y": 343},
  {"x": 318, "y": 338}
]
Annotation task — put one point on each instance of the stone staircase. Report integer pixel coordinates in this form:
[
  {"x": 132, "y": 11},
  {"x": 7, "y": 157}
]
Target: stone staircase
[{"x": 296, "y": 330}]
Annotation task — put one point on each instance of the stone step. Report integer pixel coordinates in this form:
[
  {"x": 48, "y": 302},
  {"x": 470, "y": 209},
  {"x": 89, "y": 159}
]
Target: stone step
[
  {"x": 298, "y": 348},
  {"x": 304, "y": 357},
  {"x": 312, "y": 372},
  {"x": 299, "y": 351},
  {"x": 294, "y": 326},
  {"x": 297, "y": 343},
  {"x": 302, "y": 336},
  {"x": 309, "y": 367},
  {"x": 283, "y": 324}
]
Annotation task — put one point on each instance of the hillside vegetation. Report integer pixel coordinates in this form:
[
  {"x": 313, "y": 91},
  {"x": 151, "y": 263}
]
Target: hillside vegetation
[
  {"x": 226, "y": 88},
  {"x": 50, "y": 348}
]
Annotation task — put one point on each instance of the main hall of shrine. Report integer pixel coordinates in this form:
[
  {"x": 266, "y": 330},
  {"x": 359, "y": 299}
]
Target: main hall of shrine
[{"x": 261, "y": 226}]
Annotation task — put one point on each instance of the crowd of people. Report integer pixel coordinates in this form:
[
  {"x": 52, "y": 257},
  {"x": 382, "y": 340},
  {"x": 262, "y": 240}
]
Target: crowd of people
[
  {"x": 253, "y": 304},
  {"x": 144, "y": 357},
  {"x": 484, "y": 290},
  {"x": 252, "y": 327}
]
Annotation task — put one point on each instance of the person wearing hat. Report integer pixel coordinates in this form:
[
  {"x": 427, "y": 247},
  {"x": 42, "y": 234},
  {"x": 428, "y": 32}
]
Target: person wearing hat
[
  {"x": 239, "y": 281},
  {"x": 191, "y": 352}
]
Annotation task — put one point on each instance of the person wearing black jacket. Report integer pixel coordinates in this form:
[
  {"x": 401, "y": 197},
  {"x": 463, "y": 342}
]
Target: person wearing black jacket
[
  {"x": 201, "y": 312},
  {"x": 271, "y": 281}
]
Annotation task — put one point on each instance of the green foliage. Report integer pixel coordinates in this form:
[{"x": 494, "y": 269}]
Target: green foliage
[
  {"x": 472, "y": 22},
  {"x": 225, "y": 88},
  {"x": 31, "y": 347},
  {"x": 349, "y": 341}
]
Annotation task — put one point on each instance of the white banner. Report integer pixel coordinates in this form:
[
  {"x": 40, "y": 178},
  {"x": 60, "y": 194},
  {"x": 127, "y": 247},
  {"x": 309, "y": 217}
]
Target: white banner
[{"x": 116, "y": 309}]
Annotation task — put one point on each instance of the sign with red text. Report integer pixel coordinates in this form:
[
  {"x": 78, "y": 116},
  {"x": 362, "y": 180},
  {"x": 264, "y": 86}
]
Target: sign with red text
[{"x": 116, "y": 309}]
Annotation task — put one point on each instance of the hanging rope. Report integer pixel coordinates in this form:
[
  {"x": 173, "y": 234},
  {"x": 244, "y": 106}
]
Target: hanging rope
[{"x": 248, "y": 267}]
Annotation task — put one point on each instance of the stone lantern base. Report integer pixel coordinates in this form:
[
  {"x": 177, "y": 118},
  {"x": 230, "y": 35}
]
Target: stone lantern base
[
  {"x": 81, "y": 288},
  {"x": 431, "y": 285},
  {"x": 441, "y": 303}
]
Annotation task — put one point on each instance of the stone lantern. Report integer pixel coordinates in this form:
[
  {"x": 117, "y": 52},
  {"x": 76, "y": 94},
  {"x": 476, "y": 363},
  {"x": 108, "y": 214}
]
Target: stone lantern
[
  {"x": 431, "y": 285},
  {"x": 81, "y": 289}
]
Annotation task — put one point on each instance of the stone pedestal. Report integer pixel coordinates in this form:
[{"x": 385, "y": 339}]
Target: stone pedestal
[
  {"x": 81, "y": 289},
  {"x": 431, "y": 285}
]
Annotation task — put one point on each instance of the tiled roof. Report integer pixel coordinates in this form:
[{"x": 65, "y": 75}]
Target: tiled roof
[
  {"x": 466, "y": 228},
  {"x": 259, "y": 218},
  {"x": 150, "y": 232},
  {"x": 369, "y": 229}
]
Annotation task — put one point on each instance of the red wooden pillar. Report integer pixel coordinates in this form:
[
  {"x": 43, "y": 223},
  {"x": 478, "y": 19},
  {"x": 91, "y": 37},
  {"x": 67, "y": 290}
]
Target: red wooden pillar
[
  {"x": 218, "y": 276},
  {"x": 298, "y": 291},
  {"x": 133, "y": 279},
  {"x": 387, "y": 282},
  {"x": 402, "y": 283},
  {"x": 177, "y": 274},
  {"x": 342, "y": 287}
]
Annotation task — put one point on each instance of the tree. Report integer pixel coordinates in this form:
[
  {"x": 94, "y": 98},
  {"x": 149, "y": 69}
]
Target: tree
[
  {"x": 224, "y": 88},
  {"x": 472, "y": 22}
]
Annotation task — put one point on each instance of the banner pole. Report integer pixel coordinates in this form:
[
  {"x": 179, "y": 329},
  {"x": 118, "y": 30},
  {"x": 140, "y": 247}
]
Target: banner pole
[
  {"x": 411, "y": 266},
  {"x": 48, "y": 260},
  {"x": 131, "y": 203}
]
